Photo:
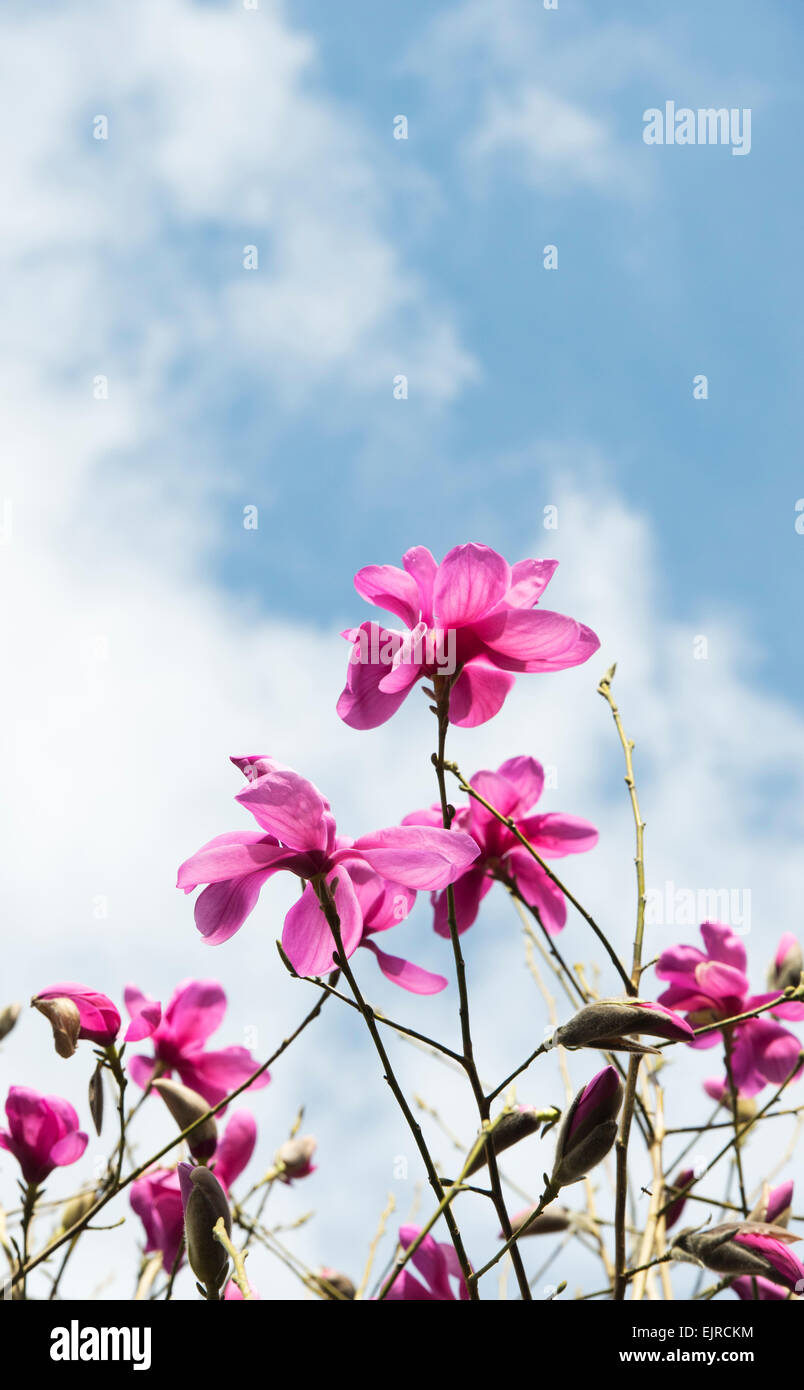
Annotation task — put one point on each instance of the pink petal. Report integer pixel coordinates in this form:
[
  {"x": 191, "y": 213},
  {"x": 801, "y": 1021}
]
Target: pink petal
[
  {"x": 69, "y": 1149},
  {"x": 222, "y": 908},
  {"x": 307, "y": 938},
  {"x": 529, "y": 579},
  {"x": 478, "y": 694},
  {"x": 538, "y": 890},
  {"x": 195, "y": 1011},
  {"x": 429, "y": 815},
  {"x": 722, "y": 944},
  {"x": 469, "y": 891},
  {"x": 418, "y": 856},
  {"x": 429, "y": 1260},
  {"x": 405, "y": 974},
  {"x": 537, "y": 640},
  {"x": 289, "y": 807},
  {"x": 721, "y": 981},
  {"x": 421, "y": 565},
  {"x": 230, "y": 855},
  {"x": 146, "y": 1014},
  {"x": 527, "y": 776},
  {"x": 679, "y": 961},
  {"x": 390, "y": 588},
  {"x": 361, "y": 704},
  {"x": 215, "y": 1074},
  {"x": 141, "y": 1069},
  {"x": 555, "y": 835},
  {"x": 236, "y": 1147},
  {"x": 471, "y": 579}
]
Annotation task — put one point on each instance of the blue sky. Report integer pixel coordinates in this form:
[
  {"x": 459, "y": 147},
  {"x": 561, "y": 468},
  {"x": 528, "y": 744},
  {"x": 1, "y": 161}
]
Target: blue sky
[{"x": 151, "y": 635}]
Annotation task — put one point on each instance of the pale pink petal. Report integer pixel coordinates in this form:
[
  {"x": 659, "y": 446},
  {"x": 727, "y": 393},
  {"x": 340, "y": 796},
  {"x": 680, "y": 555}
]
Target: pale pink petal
[
  {"x": 307, "y": 938},
  {"x": 429, "y": 815},
  {"x": 679, "y": 960},
  {"x": 478, "y": 694},
  {"x": 527, "y": 776},
  {"x": 390, "y": 588},
  {"x": 141, "y": 1069},
  {"x": 404, "y": 973},
  {"x": 721, "y": 981},
  {"x": 471, "y": 579},
  {"x": 69, "y": 1149},
  {"x": 418, "y": 856}
]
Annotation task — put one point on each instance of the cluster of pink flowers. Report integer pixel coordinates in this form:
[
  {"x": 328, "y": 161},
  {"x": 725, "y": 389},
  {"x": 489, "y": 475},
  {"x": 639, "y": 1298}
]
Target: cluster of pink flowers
[{"x": 711, "y": 986}]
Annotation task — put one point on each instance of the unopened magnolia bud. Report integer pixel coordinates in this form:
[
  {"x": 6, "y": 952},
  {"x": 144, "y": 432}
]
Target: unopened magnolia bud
[
  {"x": 519, "y": 1124},
  {"x": 788, "y": 964},
  {"x": 554, "y": 1218},
  {"x": 186, "y": 1106},
  {"x": 8, "y": 1017},
  {"x": 76, "y": 1209},
  {"x": 204, "y": 1203},
  {"x": 331, "y": 1279},
  {"x": 589, "y": 1128},
  {"x": 610, "y": 1025},
  {"x": 64, "y": 1019},
  {"x": 744, "y": 1247},
  {"x": 295, "y": 1157}
]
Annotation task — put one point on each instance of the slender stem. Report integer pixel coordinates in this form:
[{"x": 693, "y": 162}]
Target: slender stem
[
  {"x": 28, "y": 1205},
  {"x": 441, "y": 686},
  {"x": 236, "y": 1256},
  {"x": 604, "y": 689},
  {"x": 728, "y": 1045},
  {"x": 333, "y": 920}
]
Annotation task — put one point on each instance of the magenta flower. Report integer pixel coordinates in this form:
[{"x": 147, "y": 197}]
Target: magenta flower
[
  {"x": 757, "y": 1288},
  {"x": 377, "y": 875},
  {"x": 99, "y": 1018},
  {"x": 589, "y": 1128},
  {"x": 680, "y": 1182},
  {"x": 233, "y": 1294},
  {"x": 156, "y": 1196},
  {"x": 42, "y": 1133},
  {"x": 714, "y": 986},
  {"x": 436, "y": 1263},
  {"x": 195, "y": 1011},
  {"x": 512, "y": 790},
  {"x": 474, "y": 615}
]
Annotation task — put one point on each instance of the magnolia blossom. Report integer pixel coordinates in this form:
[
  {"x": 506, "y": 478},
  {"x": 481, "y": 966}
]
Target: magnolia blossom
[
  {"x": 513, "y": 790},
  {"x": 373, "y": 879},
  {"x": 195, "y": 1011},
  {"x": 589, "y": 1128},
  {"x": 681, "y": 1182},
  {"x": 156, "y": 1196},
  {"x": 42, "y": 1133},
  {"x": 436, "y": 1263},
  {"x": 746, "y": 1248},
  {"x": 712, "y": 986},
  {"x": 474, "y": 608},
  {"x": 98, "y": 1019}
]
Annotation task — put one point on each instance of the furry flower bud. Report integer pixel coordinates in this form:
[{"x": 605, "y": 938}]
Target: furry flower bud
[
  {"x": 186, "y": 1105},
  {"x": 744, "y": 1247},
  {"x": 204, "y": 1203},
  {"x": 8, "y": 1017},
  {"x": 589, "y": 1128},
  {"x": 610, "y": 1025},
  {"x": 787, "y": 964},
  {"x": 64, "y": 1019},
  {"x": 295, "y": 1157},
  {"x": 519, "y": 1124}
]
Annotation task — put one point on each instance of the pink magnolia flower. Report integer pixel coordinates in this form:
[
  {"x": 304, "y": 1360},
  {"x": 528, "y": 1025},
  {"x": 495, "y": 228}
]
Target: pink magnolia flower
[
  {"x": 195, "y": 1011},
  {"x": 234, "y": 1295},
  {"x": 42, "y": 1133},
  {"x": 757, "y": 1288},
  {"x": 156, "y": 1196},
  {"x": 436, "y": 1263},
  {"x": 714, "y": 986},
  {"x": 377, "y": 875},
  {"x": 100, "y": 1020},
  {"x": 513, "y": 790},
  {"x": 680, "y": 1182},
  {"x": 474, "y": 608}
]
